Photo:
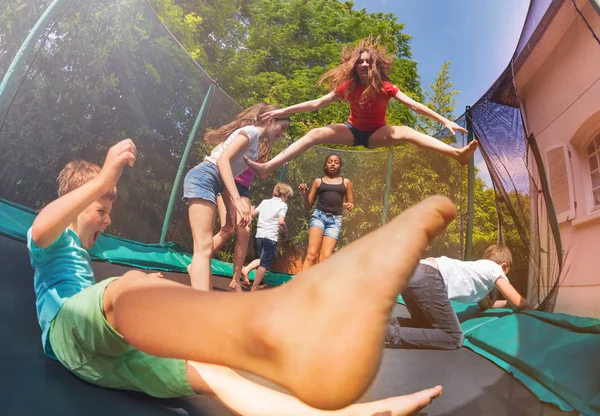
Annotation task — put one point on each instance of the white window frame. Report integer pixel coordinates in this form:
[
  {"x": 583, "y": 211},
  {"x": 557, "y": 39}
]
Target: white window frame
[{"x": 570, "y": 214}]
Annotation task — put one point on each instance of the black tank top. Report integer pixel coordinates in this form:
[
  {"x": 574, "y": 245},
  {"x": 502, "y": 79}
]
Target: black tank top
[{"x": 331, "y": 197}]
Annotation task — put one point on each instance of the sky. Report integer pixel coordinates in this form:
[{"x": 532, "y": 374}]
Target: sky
[{"x": 477, "y": 36}]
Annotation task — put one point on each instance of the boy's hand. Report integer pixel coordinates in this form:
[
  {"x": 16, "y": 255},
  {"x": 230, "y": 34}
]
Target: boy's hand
[{"x": 121, "y": 154}]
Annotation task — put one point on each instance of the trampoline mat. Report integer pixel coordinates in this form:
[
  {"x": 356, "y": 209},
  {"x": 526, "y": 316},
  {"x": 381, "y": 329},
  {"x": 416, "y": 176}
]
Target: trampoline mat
[{"x": 33, "y": 384}]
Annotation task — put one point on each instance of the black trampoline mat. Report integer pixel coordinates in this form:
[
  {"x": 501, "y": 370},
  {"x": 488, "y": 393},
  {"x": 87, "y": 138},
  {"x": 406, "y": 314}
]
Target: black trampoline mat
[{"x": 32, "y": 384}]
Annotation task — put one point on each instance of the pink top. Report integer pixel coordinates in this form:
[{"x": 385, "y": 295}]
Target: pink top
[
  {"x": 371, "y": 116},
  {"x": 245, "y": 178}
]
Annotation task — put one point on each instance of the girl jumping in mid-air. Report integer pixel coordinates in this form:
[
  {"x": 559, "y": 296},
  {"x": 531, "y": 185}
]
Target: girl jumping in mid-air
[
  {"x": 326, "y": 221},
  {"x": 363, "y": 79},
  {"x": 203, "y": 183}
]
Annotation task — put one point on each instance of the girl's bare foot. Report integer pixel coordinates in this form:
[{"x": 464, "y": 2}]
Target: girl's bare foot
[
  {"x": 235, "y": 285},
  {"x": 409, "y": 404},
  {"x": 245, "y": 277},
  {"x": 262, "y": 170},
  {"x": 466, "y": 153}
]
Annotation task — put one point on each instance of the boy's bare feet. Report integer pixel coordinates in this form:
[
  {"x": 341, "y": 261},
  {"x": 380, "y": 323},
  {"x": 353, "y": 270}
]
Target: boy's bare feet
[
  {"x": 262, "y": 170},
  {"x": 466, "y": 153}
]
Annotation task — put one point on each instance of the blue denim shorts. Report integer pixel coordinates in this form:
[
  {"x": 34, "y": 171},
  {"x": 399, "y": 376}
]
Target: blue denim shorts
[
  {"x": 204, "y": 182},
  {"x": 266, "y": 251},
  {"x": 361, "y": 137},
  {"x": 331, "y": 224}
]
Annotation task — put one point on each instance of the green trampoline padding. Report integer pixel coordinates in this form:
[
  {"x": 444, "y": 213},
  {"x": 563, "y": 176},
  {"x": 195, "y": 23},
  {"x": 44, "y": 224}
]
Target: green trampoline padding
[
  {"x": 557, "y": 356},
  {"x": 15, "y": 220}
]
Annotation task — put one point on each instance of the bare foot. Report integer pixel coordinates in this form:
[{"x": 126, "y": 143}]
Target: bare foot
[
  {"x": 409, "y": 404},
  {"x": 235, "y": 285},
  {"x": 245, "y": 277},
  {"x": 362, "y": 281},
  {"x": 466, "y": 153},
  {"x": 261, "y": 169}
]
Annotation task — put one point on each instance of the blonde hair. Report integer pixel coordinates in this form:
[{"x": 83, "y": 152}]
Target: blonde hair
[
  {"x": 78, "y": 173},
  {"x": 283, "y": 189},
  {"x": 498, "y": 254},
  {"x": 248, "y": 117},
  {"x": 380, "y": 69}
]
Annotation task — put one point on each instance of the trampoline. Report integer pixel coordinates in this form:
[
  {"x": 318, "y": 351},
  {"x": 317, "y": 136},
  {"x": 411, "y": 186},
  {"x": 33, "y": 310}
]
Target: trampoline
[{"x": 472, "y": 384}]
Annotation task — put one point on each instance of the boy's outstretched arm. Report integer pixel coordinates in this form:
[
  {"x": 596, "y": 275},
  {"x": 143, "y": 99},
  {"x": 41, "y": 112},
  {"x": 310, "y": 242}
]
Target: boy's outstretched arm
[
  {"x": 58, "y": 215},
  {"x": 511, "y": 295}
]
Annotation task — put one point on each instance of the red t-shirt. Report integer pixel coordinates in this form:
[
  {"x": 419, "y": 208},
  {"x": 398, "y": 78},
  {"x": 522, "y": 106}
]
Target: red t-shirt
[{"x": 370, "y": 116}]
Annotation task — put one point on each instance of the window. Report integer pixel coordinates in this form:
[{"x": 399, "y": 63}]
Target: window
[{"x": 593, "y": 157}]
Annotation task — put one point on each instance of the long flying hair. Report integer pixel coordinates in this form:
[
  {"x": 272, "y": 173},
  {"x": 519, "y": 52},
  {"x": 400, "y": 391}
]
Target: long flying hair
[
  {"x": 380, "y": 69},
  {"x": 246, "y": 118}
]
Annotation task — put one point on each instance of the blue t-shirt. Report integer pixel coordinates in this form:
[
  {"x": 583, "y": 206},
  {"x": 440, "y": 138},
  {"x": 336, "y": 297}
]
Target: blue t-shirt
[{"x": 62, "y": 270}]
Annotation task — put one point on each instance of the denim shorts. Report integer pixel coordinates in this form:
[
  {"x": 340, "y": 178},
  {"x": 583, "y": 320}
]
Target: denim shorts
[
  {"x": 204, "y": 182},
  {"x": 361, "y": 137},
  {"x": 243, "y": 190},
  {"x": 266, "y": 251},
  {"x": 331, "y": 224}
]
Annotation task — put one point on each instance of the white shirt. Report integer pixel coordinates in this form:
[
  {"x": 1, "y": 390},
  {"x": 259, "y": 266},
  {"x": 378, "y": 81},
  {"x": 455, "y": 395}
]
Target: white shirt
[
  {"x": 269, "y": 212},
  {"x": 469, "y": 281},
  {"x": 237, "y": 163}
]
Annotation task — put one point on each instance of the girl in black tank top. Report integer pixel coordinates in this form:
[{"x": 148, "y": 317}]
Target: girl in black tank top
[{"x": 326, "y": 221}]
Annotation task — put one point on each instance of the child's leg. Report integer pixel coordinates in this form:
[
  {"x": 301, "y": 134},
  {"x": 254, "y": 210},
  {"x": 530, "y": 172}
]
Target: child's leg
[
  {"x": 333, "y": 134},
  {"x": 426, "y": 298},
  {"x": 327, "y": 248},
  {"x": 239, "y": 255},
  {"x": 283, "y": 338},
  {"x": 315, "y": 241},
  {"x": 251, "y": 266},
  {"x": 392, "y": 135},
  {"x": 245, "y": 397},
  {"x": 227, "y": 220},
  {"x": 260, "y": 274},
  {"x": 202, "y": 222}
]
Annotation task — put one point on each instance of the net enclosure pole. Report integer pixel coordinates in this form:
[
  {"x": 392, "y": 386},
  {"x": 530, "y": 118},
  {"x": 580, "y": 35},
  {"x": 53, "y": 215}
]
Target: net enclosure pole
[
  {"x": 20, "y": 60},
  {"x": 182, "y": 163},
  {"x": 388, "y": 186},
  {"x": 471, "y": 190}
]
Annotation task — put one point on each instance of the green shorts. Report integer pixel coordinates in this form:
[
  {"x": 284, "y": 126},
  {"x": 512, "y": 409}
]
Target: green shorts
[{"x": 85, "y": 343}]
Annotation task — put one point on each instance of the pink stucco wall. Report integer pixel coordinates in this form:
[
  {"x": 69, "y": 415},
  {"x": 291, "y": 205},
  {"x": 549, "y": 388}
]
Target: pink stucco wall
[{"x": 562, "y": 106}]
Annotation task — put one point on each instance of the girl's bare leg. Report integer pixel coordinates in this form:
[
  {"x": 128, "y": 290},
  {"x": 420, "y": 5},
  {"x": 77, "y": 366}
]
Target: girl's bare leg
[
  {"x": 227, "y": 219},
  {"x": 239, "y": 253},
  {"x": 327, "y": 248},
  {"x": 315, "y": 241},
  {"x": 287, "y": 327},
  {"x": 333, "y": 134},
  {"x": 393, "y": 135},
  {"x": 246, "y": 270},
  {"x": 202, "y": 222},
  {"x": 245, "y": 397}
]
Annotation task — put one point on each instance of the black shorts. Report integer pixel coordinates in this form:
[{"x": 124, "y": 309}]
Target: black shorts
[
  {"x": 361, "y": 137},
  {"x": 265, "y": 248},
  {"x": 243, "y": 190}
]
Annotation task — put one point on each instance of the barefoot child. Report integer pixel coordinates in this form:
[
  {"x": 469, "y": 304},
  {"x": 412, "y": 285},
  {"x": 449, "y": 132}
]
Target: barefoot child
[
  {"x": 240, "y": 138},
  {"x": 438, "y": 280},
  {"x": 326, "y": 221},
  {"x": 363, "y": 79},
  {"x": 271, "y": 220},
  {"x": 138, "y": 332}
]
